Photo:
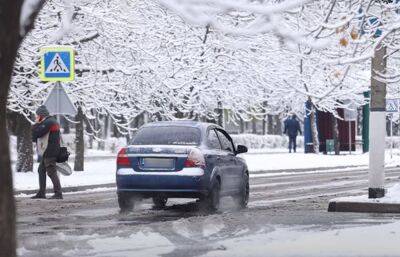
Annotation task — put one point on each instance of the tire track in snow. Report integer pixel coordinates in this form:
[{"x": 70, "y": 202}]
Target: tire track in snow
[{"x": 283, "y": 187}]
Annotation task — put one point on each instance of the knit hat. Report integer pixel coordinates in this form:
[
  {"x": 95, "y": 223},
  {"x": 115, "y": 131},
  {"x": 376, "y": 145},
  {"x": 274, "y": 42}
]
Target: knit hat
[{"x": 42, "y": 111}]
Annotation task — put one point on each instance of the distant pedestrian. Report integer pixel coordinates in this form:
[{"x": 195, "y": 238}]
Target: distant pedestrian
[
  {"x": 46, "y": 135},
  {"x": 292, "y": 128}
]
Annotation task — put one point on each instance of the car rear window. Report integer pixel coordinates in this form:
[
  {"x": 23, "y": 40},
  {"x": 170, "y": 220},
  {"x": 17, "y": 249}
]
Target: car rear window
[{"x": 167, "y": 136}]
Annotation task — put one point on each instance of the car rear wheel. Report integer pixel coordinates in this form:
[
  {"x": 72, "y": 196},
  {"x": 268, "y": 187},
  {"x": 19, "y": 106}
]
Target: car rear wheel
[
  {"x": 160, "y": 201},
  {"x": 242, "y": 198},
  {"x": 126, "y": 201}
]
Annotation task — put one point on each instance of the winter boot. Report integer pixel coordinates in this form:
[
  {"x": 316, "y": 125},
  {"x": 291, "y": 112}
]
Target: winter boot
[
  {"x": 39, "y": 195},
  {"x": 56, "y": 196}
]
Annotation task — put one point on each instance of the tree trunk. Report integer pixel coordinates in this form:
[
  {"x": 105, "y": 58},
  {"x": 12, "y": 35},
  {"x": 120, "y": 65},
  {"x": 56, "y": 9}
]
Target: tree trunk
[
  {"x": 336, "y": 135},
  {"x": 220, "y": 112},
  {"x": 12, "y": 122},
  {"x": 127, "y": 135},
  {"x": 270, "y": 124},
  {"x": 314, "y": 130},
  {"x": 90, "y": 131},
  {"x": 9, "y": 43},
  {"x": 7, "y": 204},
  {"x": 264, "y": 127},
  {"x": 116, "y": 132},
  {"x": 79, "y": 142},
  {"x": 24, "y": 145},
  {"x": 65, "y": 125},
  {"x": 241, "y": 122},
  {"x": 254, "y": 126},
  {"x": 104, "y": 133},
  {"x": 278, "y": 125}
]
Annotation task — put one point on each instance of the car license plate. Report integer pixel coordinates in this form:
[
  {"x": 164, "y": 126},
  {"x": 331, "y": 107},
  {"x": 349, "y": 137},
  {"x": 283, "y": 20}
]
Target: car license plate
[{"x": 158, "y": 163}]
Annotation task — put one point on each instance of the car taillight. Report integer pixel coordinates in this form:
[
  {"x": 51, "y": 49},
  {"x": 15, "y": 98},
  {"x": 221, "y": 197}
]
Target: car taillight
[
  {"x": 195, "y": 159},
  {"x": 122, "y": 158}
]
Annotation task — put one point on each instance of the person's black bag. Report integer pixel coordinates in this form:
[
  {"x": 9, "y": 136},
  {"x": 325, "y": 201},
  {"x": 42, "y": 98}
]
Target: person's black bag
[{"x": 63, "y": 155}]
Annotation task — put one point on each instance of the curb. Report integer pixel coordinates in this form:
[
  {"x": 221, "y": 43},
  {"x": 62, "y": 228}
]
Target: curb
[
  {"x": 337, "y": 206},
  {"x": 67, "y": 189},
  {"x": 95, "y": 158}
]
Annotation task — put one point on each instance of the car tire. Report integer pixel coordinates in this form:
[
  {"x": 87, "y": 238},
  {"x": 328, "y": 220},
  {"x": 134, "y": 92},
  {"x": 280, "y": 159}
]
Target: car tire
[
  {"x": 212, "y": 201},
  {"x": 160, "y": 201},
  {"x": 242, "y": 199},
  {"x": 126, "y": 201}
]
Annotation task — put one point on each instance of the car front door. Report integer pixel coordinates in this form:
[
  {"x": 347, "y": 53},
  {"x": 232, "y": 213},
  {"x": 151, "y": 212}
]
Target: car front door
[{"x": 233, "y": 168}]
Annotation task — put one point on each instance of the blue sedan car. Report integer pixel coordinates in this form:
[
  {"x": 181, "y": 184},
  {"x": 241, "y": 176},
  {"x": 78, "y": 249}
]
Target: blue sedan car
[{"x": 181, "y": 159}]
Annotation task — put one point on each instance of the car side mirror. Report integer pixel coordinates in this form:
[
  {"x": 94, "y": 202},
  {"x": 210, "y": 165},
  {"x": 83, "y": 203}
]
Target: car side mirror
[{"x": 241, "y": 149}]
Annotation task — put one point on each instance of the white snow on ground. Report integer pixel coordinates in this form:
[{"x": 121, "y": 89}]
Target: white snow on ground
[
  {"x": 392, "y": 196},
  {"x": 310, "y": 241},
  {"x": 285, "y": 161},
  {"x": 102, "y": 171},
  {"x": 353, "y": 241},
  {"x": 143, "y": 243},
  {"x": 96, "y": 173}
]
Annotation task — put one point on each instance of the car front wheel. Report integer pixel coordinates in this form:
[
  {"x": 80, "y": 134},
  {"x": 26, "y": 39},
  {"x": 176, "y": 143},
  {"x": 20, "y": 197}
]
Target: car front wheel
[{"x": 242, "y": 198}]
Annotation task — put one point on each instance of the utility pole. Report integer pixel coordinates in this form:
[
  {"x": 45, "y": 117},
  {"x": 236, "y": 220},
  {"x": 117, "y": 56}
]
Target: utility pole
[{"x": 377, "y": 125}]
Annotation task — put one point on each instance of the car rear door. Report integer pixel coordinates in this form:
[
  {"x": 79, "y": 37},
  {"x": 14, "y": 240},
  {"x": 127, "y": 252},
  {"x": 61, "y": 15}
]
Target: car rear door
[{"x": 234, "y": 168}]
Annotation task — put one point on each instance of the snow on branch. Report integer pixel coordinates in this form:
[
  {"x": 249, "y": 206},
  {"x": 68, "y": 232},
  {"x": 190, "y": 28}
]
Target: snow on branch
[
  {"x": 253, "y": 17},
  {"x": 29, "y": 10}
]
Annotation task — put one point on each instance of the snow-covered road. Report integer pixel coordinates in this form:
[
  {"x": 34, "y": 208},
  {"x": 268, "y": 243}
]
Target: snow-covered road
[
  {"x": 100, "y": 172},
  {"x": 286, "y": 217}
]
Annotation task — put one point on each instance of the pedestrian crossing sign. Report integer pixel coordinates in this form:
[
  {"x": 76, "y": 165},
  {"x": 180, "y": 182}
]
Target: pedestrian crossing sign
[{"x": 57, "y": 63}]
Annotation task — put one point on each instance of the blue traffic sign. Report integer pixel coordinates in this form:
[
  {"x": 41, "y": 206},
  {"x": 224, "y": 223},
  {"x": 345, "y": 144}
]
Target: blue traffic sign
[{"x": 57, "y": 64}]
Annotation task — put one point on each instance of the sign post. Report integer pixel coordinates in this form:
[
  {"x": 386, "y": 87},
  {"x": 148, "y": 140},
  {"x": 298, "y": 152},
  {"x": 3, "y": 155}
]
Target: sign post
[
  {"x": 350, "y": 115},
  {"x": 58, "y": 65},
  {"x": 392, "y": 106},
  {"x": 391, "y": 136}
]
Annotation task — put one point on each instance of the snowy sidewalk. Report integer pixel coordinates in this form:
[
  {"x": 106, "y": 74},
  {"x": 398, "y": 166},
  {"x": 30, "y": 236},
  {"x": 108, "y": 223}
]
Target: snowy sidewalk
[
  {"x": 101, "y": 172},
  {"x": 300, "y": 161}
]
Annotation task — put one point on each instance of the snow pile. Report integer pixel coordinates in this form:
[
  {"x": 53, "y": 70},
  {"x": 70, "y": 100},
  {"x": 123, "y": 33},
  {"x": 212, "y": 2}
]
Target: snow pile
[
  {"x": 253, "y": 141},
  {"x": 392, "y": 197}
]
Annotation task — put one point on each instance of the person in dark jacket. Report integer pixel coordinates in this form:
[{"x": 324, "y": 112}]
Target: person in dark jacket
[
  {"x": 46, "y": 134},
  {"x": 292, "y": 128}
]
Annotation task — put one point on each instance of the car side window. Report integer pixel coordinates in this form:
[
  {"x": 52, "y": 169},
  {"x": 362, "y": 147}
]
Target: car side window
[
  {"x": 212, "y": 140},
  {"x": 226, "y": 143}
]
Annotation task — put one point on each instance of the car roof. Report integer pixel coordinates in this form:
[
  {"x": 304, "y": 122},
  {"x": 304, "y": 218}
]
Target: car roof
[{"x": 182, "y": 123}]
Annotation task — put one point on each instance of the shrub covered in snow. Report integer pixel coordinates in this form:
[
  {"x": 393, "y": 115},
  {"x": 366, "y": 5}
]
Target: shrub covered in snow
[{"x": 253, "y": 141}]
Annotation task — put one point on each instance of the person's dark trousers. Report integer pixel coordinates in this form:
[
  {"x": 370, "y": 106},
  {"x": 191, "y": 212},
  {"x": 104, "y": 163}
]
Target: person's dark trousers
[
  {"x": 42, "y": 180},
  {"x": 51, "y": 170},
  {"x": 48, "y": 165},
  {"x": 292, "y": 143}
]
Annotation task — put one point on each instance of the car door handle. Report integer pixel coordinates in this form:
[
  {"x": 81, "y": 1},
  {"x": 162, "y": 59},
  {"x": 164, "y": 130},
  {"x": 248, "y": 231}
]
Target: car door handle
[{"x": 218, "y": 158}]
